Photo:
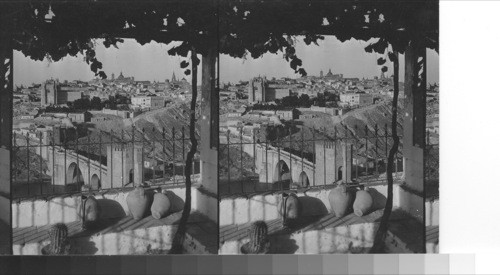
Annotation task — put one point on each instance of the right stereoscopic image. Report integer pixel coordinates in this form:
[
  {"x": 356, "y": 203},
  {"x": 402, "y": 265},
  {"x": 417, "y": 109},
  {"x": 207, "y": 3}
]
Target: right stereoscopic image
[{"x": 328, "y": 127}]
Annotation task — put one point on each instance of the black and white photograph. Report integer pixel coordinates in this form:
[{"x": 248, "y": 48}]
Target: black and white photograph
[
  {"x": 111, "y": 117},
  {"x": 329, "y": 127},
  {"x": 249, "y": 137},
  {"x": 219, "y": 127}
]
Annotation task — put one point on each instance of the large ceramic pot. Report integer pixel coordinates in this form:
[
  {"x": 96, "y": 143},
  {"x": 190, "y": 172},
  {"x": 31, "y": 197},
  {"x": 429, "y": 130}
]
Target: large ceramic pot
[
  {"x": 289, "y": 208},
  {"x": 363, "y": 203},
  {"x": 139, "y": 202},
  {"x": 90, "y": 211},
  {"x": 340, "y": 200},
  {"x": 161, "y": 206}
]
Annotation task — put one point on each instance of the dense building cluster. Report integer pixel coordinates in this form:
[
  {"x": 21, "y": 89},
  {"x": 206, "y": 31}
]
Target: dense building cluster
[
  {"x": 359, "y": 92},
  {"x": 66, "y": 103},
  {"x": 263, "y": 101}
]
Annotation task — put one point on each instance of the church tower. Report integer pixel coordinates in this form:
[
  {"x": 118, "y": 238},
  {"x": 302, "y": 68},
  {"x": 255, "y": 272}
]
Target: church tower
[
  {"x": 321, "y": 73},
  {"x": 173, "y": 77},
  {"x": 329, "y": 74}
]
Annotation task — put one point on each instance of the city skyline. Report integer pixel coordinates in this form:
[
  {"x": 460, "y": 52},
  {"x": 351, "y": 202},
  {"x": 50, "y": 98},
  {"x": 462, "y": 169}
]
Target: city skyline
[
  {"x": 152, "y": 62},
  {"x": 348, "y": 58}
]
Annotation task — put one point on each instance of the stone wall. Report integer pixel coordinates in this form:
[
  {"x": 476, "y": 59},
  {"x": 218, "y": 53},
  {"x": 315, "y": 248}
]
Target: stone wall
[
  {"x": 41, "y": 212},
  {"x": 356, "y": 238},
  {"x": 135, "y": 240},
  {"x": 265, "y": 207}
]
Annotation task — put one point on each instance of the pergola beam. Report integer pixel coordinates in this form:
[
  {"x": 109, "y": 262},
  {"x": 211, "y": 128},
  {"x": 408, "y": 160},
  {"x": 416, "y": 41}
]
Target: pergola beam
[
  {"x": 6, "y": 107},
  {"x": 414, "y": 127}
]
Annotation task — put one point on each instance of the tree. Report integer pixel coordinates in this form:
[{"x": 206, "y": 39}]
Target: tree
[
  {"x": 378, "y": 246},
  {"x": 95, "y": 103},
  {"x": 320, "y": 100},
  {"x": 304, "y": 101},
  {"x": 81, "y": 104},
  {"x": 290, "y": 101}
]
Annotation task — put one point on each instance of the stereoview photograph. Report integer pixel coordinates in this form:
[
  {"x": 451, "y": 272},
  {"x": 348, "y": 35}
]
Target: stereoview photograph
[
  {"x": 230, "y": 127},
  {"x": 328, "y": 127},
  {"x": 110, "y": 149}
]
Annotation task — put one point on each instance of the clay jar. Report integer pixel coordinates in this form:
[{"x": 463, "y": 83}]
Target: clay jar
[
  {"x": 90, "y": 211},
  {"x": 160, "y": 206},
  {"x": 363, "y": 203},
  {"x": 138, "y": 202},
  {"x": 340, "y": 200},
  {"x": 292, "y": 206}
]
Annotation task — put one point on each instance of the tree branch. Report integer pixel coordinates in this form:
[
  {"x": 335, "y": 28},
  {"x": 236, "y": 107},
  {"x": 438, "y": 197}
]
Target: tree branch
[
  {"x": 178, "y": 241},
  {"x": 378, "y": 245}
]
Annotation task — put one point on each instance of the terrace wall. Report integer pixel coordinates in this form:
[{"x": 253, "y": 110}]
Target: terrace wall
[
  {"x": 42, "y": 212},
  {"x": 241, "y": 210},
  {"x": 265, "y": 207}
]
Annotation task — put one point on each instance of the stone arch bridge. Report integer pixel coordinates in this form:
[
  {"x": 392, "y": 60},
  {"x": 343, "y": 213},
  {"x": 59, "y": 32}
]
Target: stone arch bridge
[
  {"x": 123, "y": 165},
  {"x": 333, "y": 162}
]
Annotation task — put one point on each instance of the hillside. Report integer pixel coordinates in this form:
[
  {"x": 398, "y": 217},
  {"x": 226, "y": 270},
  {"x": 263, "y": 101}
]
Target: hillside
[
  {"x": 377, "y": 114},
  {"x": 350, "y": 128},
  {"x": 148, "y": 131}
]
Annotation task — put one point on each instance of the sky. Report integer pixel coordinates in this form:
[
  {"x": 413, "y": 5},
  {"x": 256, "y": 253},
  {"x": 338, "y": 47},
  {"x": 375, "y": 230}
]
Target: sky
[
  {"x": 148, "y": 62},
  {"x": 348, "y": 58},
  {"x": 152, "y": 62}
]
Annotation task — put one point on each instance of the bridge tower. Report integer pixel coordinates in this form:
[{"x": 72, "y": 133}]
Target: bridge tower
[
  {"x": 346, "y": 163},
  {"x": 124, "y": 165},
  {"x": 46, "y": 138},
  {"x": 333, "y": 162},
  {"x": 326, "y": 162},
  {"x": 256, "y": 90}
]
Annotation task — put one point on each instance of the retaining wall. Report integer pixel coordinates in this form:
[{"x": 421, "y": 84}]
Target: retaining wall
[
  {"x": 40, "y": 212},
  {"x": 356, "y": 238},
  {"x": 265, "y": 207}
]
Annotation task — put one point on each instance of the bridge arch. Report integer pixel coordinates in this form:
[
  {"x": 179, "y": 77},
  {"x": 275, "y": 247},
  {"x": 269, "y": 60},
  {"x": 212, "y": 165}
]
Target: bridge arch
[
  {"x": 131, "y": 176},
  {"x": 95, "y": 182},
  {"x": 303, "y": 179},
  {"x": 74, "y": 175},
  {"x": 281, "y": 172}
]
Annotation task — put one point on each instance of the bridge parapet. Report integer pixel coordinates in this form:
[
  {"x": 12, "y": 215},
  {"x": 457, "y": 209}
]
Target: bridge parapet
[
  {"x": 96, "y": 160},
  {"x": 355, "y": 156}
]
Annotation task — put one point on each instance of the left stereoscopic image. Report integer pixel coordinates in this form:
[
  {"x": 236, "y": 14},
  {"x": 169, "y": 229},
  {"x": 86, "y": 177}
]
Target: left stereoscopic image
[{"x": 106, "y": 128}]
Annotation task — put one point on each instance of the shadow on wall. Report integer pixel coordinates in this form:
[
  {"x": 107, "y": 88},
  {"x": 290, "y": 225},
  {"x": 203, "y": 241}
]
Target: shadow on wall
[
  {"x": 111, "y": 209},
  {"x": 176, "y": 202},
  {"x": 309, "y": 206},
  {"x": 282, "y": 244},
  {"x": 353, "y": 238},
  {"x": 379, "y": 200},
  {"x": 84, "y": 245},
  {"x": 312, "y": 206}
]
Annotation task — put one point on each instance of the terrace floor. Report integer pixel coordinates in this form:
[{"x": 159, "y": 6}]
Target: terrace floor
[
  {"x": 236, "y": 232},
  {"x": 199, "y": 228},
  {"x": 407, "y": 231}
]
